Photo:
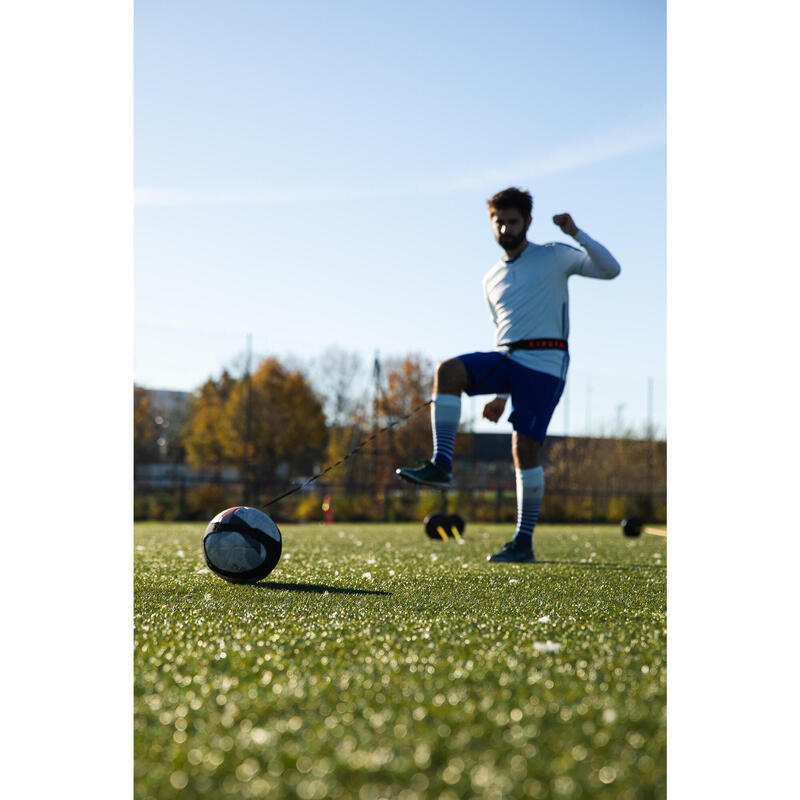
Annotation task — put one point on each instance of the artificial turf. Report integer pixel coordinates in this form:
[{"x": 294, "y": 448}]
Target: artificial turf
[{"x": 374, "y": 663}]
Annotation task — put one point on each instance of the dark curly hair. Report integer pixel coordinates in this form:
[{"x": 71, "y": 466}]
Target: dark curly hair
[{"x": 512, "y": 198}]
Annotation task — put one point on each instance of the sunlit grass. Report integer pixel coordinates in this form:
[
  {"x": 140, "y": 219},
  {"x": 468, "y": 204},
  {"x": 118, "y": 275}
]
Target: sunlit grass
[{"x": 375, "y": 662}]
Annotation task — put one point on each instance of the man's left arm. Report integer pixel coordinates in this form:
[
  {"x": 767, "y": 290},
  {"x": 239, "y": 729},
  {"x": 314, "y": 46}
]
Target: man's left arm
[{"x": 596, "y": 262}]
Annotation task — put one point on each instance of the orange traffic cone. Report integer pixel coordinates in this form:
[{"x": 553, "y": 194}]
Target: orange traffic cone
[{"x": 327, "y": 510}]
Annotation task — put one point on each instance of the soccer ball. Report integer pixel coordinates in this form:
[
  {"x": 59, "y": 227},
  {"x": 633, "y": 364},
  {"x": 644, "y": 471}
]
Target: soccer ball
[{"x": 242, "y": 545}]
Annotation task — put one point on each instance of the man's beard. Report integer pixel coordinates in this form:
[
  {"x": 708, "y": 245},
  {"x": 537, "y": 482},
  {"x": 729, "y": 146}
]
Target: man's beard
[{"x": 510, "y": 242}]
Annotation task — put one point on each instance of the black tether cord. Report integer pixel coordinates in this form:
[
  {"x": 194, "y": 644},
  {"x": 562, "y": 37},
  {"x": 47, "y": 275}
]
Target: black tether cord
[
  {"x": 370, "y": 438},
  {"x": 352, "y": 452}
]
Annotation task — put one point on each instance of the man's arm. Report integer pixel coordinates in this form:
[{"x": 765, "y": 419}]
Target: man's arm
[{"x": 597, "y": 262}]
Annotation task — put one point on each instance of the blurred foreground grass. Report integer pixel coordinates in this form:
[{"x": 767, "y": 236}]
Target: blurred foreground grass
[{"x": 376, "y": 663}]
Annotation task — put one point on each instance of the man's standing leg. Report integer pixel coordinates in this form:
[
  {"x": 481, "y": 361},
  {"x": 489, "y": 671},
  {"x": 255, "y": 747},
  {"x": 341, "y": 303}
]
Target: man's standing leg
[
  {"x": 530, "y": 485},
  {"x": 530, "y": 488}
]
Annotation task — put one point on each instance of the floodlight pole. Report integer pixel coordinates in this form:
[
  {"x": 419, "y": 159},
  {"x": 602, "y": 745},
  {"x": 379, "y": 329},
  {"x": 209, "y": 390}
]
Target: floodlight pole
[
  {"x": 376, "y": 380},
  {"x": 376, "y": 389},
  {"x": 248, "y": 414}
]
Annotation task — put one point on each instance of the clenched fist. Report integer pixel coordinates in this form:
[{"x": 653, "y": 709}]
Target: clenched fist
[
  {"x": 493, "y": 410},
  {"x": 566, "y": 223}
]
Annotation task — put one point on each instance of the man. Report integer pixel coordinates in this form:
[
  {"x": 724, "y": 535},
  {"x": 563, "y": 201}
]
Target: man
[{"x": 528, "y": 301}]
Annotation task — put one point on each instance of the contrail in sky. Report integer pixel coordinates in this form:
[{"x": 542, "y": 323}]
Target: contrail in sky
[
  {"x": 646, "y": 135},
  {"x": 598, "y": 149}
]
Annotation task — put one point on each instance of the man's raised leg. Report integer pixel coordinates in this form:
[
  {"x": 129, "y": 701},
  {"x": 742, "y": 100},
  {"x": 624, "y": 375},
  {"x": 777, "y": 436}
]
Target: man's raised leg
[{"x": 448, "y": 383}]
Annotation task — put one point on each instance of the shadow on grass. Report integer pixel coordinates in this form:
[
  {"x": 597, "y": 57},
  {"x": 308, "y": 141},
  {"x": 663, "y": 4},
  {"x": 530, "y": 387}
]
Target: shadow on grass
[{"x": 315, "y": 588}]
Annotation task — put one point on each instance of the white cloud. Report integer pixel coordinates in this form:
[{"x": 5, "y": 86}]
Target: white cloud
[
  {"x": 621, "y": 141},
  {"x": 643, "y": 136}
]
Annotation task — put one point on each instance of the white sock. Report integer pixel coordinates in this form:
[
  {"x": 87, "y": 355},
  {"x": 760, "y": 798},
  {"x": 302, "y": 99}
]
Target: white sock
[
  {"x": 445, "y": 415},
  {"x": 530, "y": 488}
]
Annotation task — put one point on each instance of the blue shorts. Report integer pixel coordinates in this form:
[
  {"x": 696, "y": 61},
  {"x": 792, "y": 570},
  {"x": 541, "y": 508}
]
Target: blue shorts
[{"x": 534, "y": 394}]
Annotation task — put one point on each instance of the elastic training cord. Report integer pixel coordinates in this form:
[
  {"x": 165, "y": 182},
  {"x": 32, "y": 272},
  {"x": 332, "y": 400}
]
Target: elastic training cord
[
  {"x": 374, "y": 435},
  {"x": 352, "y": 452}
]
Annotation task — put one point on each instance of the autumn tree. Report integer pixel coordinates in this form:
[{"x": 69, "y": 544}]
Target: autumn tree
[
  {"x": 274, "y": 418},
  {"x": 206, "y": 431},
  {"x": 408, "y": 386}
]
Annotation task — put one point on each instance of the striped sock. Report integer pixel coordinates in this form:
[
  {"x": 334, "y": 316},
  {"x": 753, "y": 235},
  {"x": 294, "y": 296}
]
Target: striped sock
[
  {"x": 445, "y": 414},
  {"x": 530, "y": 488}
]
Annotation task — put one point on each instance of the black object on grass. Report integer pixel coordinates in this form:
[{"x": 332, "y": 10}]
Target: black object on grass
[
  {"x": 436, "y": 526},
  {"x": 632, "y": 526},
  {"x": 443, "y": 527},
  {"x": 457, "y": 521}
]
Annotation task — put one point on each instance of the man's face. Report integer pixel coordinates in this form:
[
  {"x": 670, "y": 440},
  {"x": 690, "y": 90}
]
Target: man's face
[{"x": 509, "y": 227}]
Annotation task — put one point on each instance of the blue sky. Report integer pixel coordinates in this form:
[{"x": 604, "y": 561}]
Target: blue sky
[
  {"x": 315, "y": 174},
  {"x": 67, "y": 247}
]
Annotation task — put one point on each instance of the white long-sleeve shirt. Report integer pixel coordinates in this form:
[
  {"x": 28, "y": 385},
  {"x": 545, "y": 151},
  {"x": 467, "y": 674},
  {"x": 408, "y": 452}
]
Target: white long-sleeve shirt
[{"x": 528, "y": 296}]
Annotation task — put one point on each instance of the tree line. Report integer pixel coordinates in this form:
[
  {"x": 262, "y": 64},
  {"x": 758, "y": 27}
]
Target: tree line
[
  {"x": 287, "y": 421},
  {"x": 283, "y": 421}
]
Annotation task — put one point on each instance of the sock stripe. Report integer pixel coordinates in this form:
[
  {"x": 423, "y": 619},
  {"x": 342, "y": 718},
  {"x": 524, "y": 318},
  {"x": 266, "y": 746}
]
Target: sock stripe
[
  {"x": 445, "y": 415},
  {"x": 530, "y": 488}
]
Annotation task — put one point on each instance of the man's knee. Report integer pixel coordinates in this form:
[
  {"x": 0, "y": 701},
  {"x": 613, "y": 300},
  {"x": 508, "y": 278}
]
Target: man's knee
[
  {"x": 526, "y": 451},
  {"x": 451, "y": 377}
]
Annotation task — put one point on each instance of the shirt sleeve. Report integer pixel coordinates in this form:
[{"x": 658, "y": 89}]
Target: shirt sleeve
[
  {"x": 596, "y": 261},
  {"x": 489, "y": 303}
]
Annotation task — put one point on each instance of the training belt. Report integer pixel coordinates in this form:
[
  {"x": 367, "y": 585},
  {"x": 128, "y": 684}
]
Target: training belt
[{"x": 537, "y": 344}]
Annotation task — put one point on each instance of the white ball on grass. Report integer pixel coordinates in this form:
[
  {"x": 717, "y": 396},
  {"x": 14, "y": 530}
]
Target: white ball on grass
[{"x": 242, "y": 545}]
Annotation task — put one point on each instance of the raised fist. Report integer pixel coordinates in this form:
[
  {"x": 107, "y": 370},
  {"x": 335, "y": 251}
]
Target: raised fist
[{"x": 566, "y": 223}]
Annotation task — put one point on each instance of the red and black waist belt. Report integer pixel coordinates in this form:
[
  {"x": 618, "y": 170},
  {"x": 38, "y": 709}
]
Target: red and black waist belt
[{"x": 537, "y": 344}]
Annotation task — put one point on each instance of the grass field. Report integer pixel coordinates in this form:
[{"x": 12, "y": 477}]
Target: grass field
[{"x": 376, "y": 663}]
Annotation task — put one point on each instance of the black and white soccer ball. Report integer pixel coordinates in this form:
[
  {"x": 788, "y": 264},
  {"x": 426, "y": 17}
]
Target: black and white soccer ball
[{"x": 242, "y": 545}]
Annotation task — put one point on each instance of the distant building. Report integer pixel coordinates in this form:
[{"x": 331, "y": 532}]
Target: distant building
[
  {"x": 165, "y": 475},
  {"x": 169, "y": 410},
  {"x": 494, "y": 447},
  {"x": 483, "y": 460},
  {"x": 168, "y": 403}
]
